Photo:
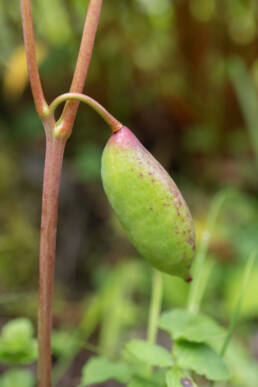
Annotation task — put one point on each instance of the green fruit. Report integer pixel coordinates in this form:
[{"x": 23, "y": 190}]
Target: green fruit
[{"x": 148, "y": 204}]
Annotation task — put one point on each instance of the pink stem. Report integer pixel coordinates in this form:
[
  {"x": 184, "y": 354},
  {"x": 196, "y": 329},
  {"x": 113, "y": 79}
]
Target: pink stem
[
  {"x": 29, "y": 43},
  {"x": 53, "y": 166},
  {"x": 52, "y": 175},
  {"x": 83, "y": 61}
]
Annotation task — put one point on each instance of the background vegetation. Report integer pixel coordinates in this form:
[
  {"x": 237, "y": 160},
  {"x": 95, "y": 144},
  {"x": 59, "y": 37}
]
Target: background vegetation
[{"x": 184, "y": 76}]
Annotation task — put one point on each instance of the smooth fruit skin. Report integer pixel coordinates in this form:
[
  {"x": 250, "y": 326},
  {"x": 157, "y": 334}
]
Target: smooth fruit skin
[{"x": 148, "y": 204}]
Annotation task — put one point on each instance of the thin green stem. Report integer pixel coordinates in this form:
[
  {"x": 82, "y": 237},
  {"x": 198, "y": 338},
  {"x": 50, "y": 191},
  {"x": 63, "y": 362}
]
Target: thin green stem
[
  {"x": 155, "y": 306},
  {"x": 114, "y": 124},
  {"x": 235, "y": 317},
  {"x": 247, "y": 96},
  {"x": 197, "y": 289}
]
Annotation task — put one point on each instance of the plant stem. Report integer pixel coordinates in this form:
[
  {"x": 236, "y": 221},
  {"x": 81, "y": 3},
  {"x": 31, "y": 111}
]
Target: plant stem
[
  {"x": 83, "y": 61},
  {"x": 52, "y": 175},
  {"x": 29, "y": 42},
  {"x": 197, "y": 289},
  {"x": 114, "y": 124},
  {"x": 235, "y": 317},
  {"x": 247, "y": 96},
  {"x": 55, "y": 146},
  {"x": 155, "y": 306}
]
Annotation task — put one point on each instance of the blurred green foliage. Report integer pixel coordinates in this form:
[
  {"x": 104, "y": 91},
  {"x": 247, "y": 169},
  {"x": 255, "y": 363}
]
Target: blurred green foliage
[{"x": 165, "y": 69}]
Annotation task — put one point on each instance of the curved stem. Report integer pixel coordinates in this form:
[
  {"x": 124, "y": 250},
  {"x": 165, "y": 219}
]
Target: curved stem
[
  {"x": 29, "y": 41},
  {"x": 83, "y": 61},
  {"x": 114, "y": 124}
]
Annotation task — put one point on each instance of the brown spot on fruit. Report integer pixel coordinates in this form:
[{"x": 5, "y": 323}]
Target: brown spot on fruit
[
  {"x": 190, "y": 241},
  {"x": 189, "y": 279}
]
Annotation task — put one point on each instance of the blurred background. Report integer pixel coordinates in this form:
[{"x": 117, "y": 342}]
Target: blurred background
[{"x": 183, "y": 75}]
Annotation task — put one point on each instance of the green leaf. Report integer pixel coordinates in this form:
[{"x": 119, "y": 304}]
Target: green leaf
[
  {"x": 139, "y": 382},
  {"x": 178, "y": 378},
  {"x": 157, "y": 380},
  {"x": 148, "y": 353},
  {"x": 64, "y": 343},
  {"x": 200, "y": 358},
  {"x": 17, "y": 331},
  {"x": 17, "y": 378},
  {"x": 182, "y": 324},
  {"x": 17, "y": 345},
  {"x": 100, "y": 369}
]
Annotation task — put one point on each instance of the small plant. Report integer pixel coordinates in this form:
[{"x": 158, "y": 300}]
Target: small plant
[
  {"x": 17, "y": 347},
  {"x": 158, "y": 252},
  {"x": 159, "y": 224}
]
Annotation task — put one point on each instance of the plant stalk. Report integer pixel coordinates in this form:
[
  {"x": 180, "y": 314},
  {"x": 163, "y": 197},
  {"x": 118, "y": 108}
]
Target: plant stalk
[
  {"x": 52, "y": 176},
  {"x": 155, "y": 306},
  {"x": 196, "y": 288},
  {"x": 83, "y": 61},
  {"x": 55, "y": 146},
  {"x": 29, "y": 42}
]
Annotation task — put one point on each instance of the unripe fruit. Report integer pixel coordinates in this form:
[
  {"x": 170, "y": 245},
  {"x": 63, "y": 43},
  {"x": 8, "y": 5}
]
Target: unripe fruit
[{"x": 148, "y": 204}]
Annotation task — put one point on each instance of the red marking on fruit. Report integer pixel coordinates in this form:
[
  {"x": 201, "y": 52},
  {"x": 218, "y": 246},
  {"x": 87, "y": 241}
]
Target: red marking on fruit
[
  {"x": 189, "y": 278},
  {"x": 152, "y": 180},
  {"x": 190, "y": 241},
  {"x": 151, "y": 209},
  {"x": 141, "y": 175}
]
